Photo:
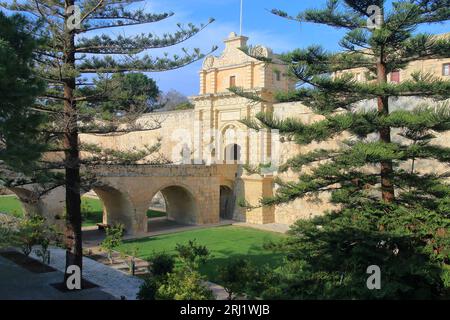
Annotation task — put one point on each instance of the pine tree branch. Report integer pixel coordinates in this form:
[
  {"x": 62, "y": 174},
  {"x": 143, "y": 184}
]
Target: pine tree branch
[{"x": 126, "y": 45}]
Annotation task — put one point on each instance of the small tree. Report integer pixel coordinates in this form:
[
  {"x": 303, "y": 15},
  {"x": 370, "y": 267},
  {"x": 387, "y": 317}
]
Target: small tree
[
  {"x": 235, "y": 276},
  {"x": 8, "y": 226},
  {"x": 160, "y": 266},
  {"x": 29, "y": 233},
  {"x": 182, "y": 281},
  {"x": 184, "y": 284},
  {"x": 112, "y": 240},
  {"x": 192, "y": 254},
  {"x": 48, "y": 236}
]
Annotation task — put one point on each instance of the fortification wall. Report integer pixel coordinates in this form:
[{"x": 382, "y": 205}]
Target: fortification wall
[{"x": 171, "y": 125}]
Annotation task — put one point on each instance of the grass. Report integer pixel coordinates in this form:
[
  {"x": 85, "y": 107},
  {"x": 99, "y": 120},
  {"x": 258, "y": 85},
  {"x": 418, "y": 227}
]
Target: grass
[
  {"x": 224, "y": 243},
  {"x": 11, "y": 205},
  {"x": 92, "y": 209}
]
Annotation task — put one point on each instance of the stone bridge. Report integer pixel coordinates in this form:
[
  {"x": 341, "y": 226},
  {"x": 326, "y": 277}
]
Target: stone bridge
[{"x": 194, "y": 194}]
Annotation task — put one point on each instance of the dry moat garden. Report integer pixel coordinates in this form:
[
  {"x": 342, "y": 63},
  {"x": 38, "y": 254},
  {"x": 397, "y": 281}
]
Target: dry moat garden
[{"x": 223, "y": 242}]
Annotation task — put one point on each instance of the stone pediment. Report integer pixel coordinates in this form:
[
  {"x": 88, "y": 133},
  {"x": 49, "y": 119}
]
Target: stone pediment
[{"x": 232, "y": 55}]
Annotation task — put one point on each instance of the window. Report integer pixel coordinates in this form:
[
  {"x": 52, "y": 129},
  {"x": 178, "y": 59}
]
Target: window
[
  {"x": 395, "y": 76},
  {"x": 232, "y": 81},
  {"x": 446, "y": 69},
  {"x": 278, "y": 75}
]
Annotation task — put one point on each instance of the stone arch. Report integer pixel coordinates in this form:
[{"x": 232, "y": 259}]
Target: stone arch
[
  {"x": 45, "y": 203},
  {"x": 226, "y": 202},
  {"x": 181, "y": 204},
  {"x": 231, "y": 142},
  {"x": 117, "y": 207},
  {"x": 29, "y": 200}
]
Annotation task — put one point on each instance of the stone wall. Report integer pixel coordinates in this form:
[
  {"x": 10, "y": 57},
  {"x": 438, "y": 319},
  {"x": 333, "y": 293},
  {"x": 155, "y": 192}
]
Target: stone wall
[{"x": 173, "y": 125}]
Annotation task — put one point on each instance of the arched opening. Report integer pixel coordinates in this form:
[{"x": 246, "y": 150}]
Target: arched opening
[
  {"x": 174, "y": 203},
  {"x": 101, "y": 206},
  {"x": 226, "y": 202},
  {"x": 231, "y": 141},
  {"x": 19, "y": 202},
  {"x": 116, "y": 207},
  {"x": 157, "y": 208},
  {"x": 232, "y": 152},
  {"x": 30, "y": 200}
]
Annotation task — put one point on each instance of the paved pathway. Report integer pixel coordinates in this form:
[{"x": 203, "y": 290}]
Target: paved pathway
[
  {"x": 112, "y": 281},
  {"x": 274, "y": 227},
  {"x": 17, "y": 283}
]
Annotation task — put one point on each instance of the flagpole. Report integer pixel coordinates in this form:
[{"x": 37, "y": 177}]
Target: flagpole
[{"x": 240, "y": 24}]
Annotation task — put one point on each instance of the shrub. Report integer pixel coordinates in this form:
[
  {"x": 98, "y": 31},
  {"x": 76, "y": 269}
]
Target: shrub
[
  {"x": 148, "y": 289},
  {"x": 161, "y": 264},
  {"x": 184, "y": 284},
  {"x": 181, "y": 282},
  {"x": 192, "y": 254},
  {"x": 235, "y": 276}
]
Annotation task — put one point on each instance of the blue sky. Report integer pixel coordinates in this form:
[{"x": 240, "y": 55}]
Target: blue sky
[{"x": 259, "y": 25}]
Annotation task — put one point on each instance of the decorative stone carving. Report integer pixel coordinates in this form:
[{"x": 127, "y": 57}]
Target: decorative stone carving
[
  {"x": 209, "y": 62},
  {"x": 260, "y": 52}
]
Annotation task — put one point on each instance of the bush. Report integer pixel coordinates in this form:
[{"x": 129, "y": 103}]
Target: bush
[
  {"x": 184, "y": 106},
  {"x": 192, "y": 254},
  {"x": 161, "y": 264},
  {"x": 34, "y": 231},
  {"x": 184, "y": 284},
  {"x": 148, "y": 289},
  {"x": 235, "y": 276}
]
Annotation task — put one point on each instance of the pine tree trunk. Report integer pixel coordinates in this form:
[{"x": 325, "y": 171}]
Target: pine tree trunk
[
  {"x": 73, "y": 236},
  {"x": 387, "y": 188}
]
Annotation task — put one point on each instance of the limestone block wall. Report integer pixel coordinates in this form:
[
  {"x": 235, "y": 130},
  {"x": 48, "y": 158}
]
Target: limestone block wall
[{"x": 176, "y": 127}]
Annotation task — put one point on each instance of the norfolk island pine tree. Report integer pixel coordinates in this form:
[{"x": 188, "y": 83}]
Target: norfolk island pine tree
[
  {"x": 70, "y": 50},
  {"x": 389, "y": 216}
]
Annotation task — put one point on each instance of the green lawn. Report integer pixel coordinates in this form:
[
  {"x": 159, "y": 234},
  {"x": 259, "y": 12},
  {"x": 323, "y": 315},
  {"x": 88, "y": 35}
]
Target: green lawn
[
  {"x": 224, "y": 243},
  {"x": 92, "y": 208},
  {"x": 11, "y": 205}
]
